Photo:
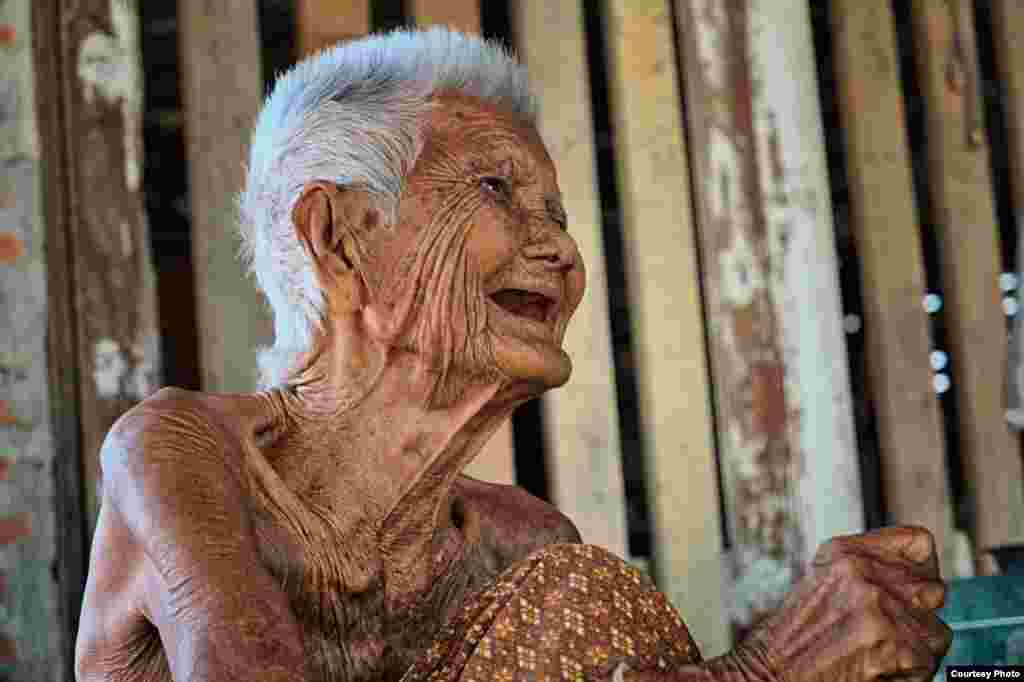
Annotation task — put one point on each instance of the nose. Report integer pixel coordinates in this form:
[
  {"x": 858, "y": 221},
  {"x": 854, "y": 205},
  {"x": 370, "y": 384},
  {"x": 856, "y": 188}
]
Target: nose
[{"x": 553, "y": 248}]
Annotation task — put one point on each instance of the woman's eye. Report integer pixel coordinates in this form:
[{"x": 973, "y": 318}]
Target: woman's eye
[{"x": 496, "y": 186}]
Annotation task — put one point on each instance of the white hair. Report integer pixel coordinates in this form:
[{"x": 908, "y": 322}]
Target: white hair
[{"x": 352, "y": 115}]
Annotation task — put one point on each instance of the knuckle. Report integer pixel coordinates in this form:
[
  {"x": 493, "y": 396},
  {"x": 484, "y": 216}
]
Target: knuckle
[{"x": 847, "y": 569}]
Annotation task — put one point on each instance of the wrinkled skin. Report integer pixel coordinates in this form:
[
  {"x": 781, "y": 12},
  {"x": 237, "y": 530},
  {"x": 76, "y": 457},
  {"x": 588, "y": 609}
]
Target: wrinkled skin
[{"x": 324, "y": 531}]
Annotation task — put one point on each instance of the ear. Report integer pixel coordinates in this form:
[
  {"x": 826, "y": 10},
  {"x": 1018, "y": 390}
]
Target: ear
[{"x": 330, "y": 223}]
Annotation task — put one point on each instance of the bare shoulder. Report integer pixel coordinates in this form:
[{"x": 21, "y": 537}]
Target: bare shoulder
[{"x": 509, "y": 521}]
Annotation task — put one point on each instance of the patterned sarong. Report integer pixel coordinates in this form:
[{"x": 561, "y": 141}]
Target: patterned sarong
[{"x": 568, "y": 612}]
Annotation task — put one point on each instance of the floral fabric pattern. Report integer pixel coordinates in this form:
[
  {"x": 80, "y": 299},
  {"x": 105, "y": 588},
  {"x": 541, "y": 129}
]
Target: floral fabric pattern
[{"x": 566, "y": 613}]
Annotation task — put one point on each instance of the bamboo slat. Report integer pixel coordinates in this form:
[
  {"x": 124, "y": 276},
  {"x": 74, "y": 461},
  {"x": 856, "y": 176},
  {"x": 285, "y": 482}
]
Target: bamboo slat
[
  {"x": 1007, "y": 23},
  {"x": 885, "y": 226},
  {"x": 462, "y": 15},
  {"x": 320, "y": 23},
  {"x": 582, "y": 436},
  {"x": 661, "y": 260},
  {"x": 222, "y": 90},
  {"x": 961, "y": 197},
  {"x": 496, "y": 462},
  {"x": 34, "y": 626}
]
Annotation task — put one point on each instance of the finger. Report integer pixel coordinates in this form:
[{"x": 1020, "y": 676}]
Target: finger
[
  {"x": 895, "y": 545},
  {"x": 912, "y": 543},
  {"x": 920, "y": 626},
  {"x": 900, "y": 658},
  {"x": 910, "y": 583}
]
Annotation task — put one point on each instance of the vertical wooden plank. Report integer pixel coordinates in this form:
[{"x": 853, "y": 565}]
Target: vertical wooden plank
[
  {"x": 497, "y": 460},
  {"x": 782, "y": 397},
  {"x": 805, "y": 271},
  {"x": 665, "y": 287},
  {"x": 885, "y": 226},
  {"x": 462, "y": 15},
  {"x": 115, "y": 287},
  {"x": 961, "y": 196},
  {"x": 582, "y": 435},
  {"x": 1007, "y": 23},
  {"x": 33, "y": 634},
  {"x": 222, "y": 85},
  {"x": 321, "y": 23}
]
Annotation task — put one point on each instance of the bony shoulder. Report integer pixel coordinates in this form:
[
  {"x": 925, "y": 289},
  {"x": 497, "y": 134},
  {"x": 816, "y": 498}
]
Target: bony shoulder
[{"x": 171, "y": 419}]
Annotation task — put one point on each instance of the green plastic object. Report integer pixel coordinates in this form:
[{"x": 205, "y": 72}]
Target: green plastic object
[{"x": 987, "y": 618}]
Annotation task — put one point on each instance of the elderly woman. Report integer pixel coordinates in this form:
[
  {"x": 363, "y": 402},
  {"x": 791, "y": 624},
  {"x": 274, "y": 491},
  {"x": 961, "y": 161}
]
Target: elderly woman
[{"x": 405, "y": 222}]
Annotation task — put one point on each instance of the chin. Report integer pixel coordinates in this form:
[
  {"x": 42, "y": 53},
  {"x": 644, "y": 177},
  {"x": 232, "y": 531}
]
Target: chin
[{"x": 533, "y": 368}]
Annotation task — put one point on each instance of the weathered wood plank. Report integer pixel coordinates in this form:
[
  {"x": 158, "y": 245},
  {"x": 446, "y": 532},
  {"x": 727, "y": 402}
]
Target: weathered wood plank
[
  {"x": 497, "y": 460},
  {"x": 961, "y": 196},
  {"x": 584, "y": 452},
  {"x": 885, "y": 226},
  {"x": 321, "y": 23},
  {"x": 462, "y": 15},
  {"x": 665, "y": 289},
  {"x": 222, "y": 86},
  {"x": 115, "y": 301},
  {"x": 33, "y": 636},
  {"x": 782, "y": 398},
  {"x": 1007, "y": 23},
  {"x": 805, "y": 281}
]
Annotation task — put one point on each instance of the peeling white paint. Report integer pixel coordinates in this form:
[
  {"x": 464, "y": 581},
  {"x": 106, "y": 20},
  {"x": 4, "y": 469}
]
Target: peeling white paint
[
  {"x": 108, "y": 69},
  {"x": 145, "y": 373},
  {"x": 761, "y": 585},
  {"x": 127, "y": 245},
  {"x": 18, "y": 134},
  {"x": 741, "y": 276},
  {"x": 794, "y": 176},
  {"x": 108, "y": 367}
]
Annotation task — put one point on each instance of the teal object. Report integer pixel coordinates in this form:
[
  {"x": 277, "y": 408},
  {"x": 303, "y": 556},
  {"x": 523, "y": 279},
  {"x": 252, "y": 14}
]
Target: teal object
[{"x": 987, "y": 618}]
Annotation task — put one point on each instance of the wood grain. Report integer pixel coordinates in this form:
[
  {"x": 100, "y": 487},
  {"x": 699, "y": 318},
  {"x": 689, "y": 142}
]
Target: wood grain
[
  {"x": 961, "y": 197},
  {"x": 321, "y": 23},
  {"x": 222, "y": 88},
  {"x": 115, "y": 287},
  {"x": 661, "y": 256},
  {"x": 462, "y": 15},
  {"x": 584, "y": 453},
  {"x": 886, "y": 229}
]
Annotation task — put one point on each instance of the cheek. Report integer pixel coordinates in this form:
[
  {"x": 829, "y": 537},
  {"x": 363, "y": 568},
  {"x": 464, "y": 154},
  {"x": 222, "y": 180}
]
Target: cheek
[{"x": 491, "y": 244}]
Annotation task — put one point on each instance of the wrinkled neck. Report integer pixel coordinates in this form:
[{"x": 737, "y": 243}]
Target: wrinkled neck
[{"x": 368, "y": 424}]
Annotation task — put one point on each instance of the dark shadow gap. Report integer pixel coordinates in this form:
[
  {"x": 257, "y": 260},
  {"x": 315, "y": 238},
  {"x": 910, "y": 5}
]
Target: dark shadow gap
[
  {"x": 165, "y": 193},
  {"x": 386, "y": 15},
  {"x": 619, "y": 312}
]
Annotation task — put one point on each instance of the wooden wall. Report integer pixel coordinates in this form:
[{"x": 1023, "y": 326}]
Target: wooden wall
[
  {"x": 716, "y": 164},
  {"x": 32, "y": 645},
  {"x": 79, "y": 343}
]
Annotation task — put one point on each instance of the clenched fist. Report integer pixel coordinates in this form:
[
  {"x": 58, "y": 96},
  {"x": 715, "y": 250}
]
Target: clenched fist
[{"x": 865, "y": 611}]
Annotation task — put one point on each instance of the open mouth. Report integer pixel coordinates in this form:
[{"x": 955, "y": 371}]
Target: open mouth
[{"x": 528, "y": 304}]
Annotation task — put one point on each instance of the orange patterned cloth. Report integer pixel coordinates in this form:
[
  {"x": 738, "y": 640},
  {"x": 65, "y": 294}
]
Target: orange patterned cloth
[{"x": 568, "y": 612}]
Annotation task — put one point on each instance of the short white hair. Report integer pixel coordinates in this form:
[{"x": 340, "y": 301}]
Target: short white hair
[{"x": 352, "y": 115}]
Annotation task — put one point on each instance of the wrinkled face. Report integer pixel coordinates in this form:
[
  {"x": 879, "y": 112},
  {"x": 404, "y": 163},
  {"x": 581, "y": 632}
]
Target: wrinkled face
[{"x": 480, "y": 262}]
